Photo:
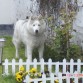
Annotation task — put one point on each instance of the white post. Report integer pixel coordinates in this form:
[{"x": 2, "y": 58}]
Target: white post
[
  {"x": 50, "y": 65},
  {"x": 71, "y": 66},
  {"x": 13, "y": 66},
  {"x": 79, "y": 66},
  {"x": 27, "y": 79},
  {"x": 60, "y": 77},
  {"x": 68, "y": 77},
  {"x": 43, "y": 78},
  {"x": 76, "y": 77},
  {"x": 64, "y": 66},
  {"x": 52, "y": 78},
  {"x": 35, "y": 63},
  {"x": 27, "y": 64},
  {"x": 57, "y": 68},
  {"x": 42, "y": 65},
  {"x": 20, "y": 63},
  {"x": 6, "y": 66}
]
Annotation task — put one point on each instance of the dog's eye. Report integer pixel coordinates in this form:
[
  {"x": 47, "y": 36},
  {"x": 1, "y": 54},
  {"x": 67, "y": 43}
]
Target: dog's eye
[{"x": 33, "y": 24}]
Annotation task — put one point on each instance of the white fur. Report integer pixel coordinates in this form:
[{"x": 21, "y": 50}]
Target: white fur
[{"x": 31, "y": 33}]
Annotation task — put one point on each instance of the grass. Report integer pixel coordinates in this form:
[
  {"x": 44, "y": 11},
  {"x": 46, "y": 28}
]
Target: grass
[
  {"x": 7, "y": 79},
  {"x": 9, "y": 53},
  {"x": 9, "y": 50}
]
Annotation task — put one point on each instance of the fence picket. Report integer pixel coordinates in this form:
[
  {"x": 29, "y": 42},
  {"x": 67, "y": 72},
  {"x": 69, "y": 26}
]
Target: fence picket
[
  {"x": 52, "y": 78},
  {"x": 68, "y": 77},
  {"x": 6, "y": 66},
  {"x": 57, "y": 68},
  {"x": 71, "y": 66},
  {"x": 64, "y": 65},
  {"x": 27, "y": 79},
  {"x": 27, "y": 64},
  {"x": 43, "y": 78},
  {"x": 13, "y": 66},
  {"x": 76, "y": 77},
  {"x": 35, "y": 63},
  {"x": 79, "y": 65},
  {"x": 20, "y": 62},
  {"x": 60, "y": 77},
  {"x": 42, "y": 65},
  {"x": 50, "y": 65}
]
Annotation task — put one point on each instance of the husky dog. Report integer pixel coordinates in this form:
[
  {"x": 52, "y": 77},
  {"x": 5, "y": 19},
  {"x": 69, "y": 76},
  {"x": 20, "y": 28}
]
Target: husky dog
[{"x": 32, "y": 34}]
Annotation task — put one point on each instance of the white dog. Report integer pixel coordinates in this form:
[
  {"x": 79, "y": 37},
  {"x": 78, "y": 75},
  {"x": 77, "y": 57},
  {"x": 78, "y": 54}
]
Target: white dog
[{"x": 32, "y": 34}]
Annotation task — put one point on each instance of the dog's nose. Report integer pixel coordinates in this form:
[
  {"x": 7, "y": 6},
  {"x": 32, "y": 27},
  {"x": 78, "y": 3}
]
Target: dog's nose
[{"x": 36, "y": 31}]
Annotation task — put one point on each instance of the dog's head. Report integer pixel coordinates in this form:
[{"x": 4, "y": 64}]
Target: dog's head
[{"x": 36, "y": 25}]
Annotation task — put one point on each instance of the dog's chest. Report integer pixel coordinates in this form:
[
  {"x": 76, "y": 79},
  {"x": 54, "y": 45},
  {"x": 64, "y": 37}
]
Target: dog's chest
[{"x": 36, "y": 41}]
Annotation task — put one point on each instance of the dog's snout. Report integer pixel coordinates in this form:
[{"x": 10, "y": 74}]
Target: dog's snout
[{"x": 36, "y": 31}]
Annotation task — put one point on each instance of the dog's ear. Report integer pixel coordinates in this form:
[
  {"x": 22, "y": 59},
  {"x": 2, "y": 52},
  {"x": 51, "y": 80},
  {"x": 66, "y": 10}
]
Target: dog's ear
[
  {"x": 33, "y": 18},
  {"x": 29, "y": 19},
  {"x": 40, "y": 17}
]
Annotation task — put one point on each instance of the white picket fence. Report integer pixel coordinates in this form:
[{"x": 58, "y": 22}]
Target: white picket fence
[
  {"x": 54, "y": 68},
  {"x": 75, "y": 78}
]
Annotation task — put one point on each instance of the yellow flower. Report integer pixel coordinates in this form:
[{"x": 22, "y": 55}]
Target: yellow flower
[
  {"x": 21, "y": 74},
  {"x": 33, "y": 70},
  {"x": 56, "y": 81},
  {"x": 17, "y": 73},
  {"x": 22, "y": 68},
  {"x": 19, "y": 78}
]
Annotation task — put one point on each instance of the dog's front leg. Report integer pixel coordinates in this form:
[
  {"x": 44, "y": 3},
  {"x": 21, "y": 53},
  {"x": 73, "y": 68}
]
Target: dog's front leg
[
  {"x": 40, "y": 50},
  {"x": 17, "y": 54},
  {"x": 16, "y": 48},
  {"x": 29, "y": 53}
]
